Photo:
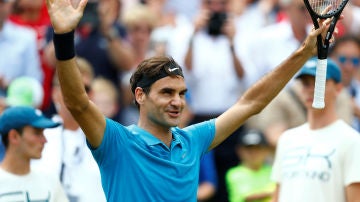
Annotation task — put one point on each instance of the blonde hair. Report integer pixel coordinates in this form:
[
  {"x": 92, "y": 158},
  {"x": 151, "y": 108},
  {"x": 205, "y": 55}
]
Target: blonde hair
[
  {"x": 104, "y": 85},
  {"x": 139, "y": 14},
  {"x": 85, "y": 68}
]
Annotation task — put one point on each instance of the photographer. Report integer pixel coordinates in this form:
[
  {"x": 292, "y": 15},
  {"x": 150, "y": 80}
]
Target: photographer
[{"x": 214, "y": 73}]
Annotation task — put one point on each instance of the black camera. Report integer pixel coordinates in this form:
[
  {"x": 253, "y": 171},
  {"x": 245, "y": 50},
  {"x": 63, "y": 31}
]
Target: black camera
[{"x": 216, "y": 21}]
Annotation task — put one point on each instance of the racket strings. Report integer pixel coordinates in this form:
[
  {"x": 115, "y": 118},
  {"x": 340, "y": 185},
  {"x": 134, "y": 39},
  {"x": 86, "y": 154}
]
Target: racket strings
[{"x": 319, "y": 6}]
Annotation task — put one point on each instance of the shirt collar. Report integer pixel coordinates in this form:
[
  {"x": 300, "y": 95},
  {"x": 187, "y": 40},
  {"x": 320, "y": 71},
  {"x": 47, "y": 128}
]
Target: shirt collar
[{"x": 151, "y": 140}]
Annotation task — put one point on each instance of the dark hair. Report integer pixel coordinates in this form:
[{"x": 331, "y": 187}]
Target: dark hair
[
  {"x": 151, "y": 70},
  {"x": 5, "y": 137},
  {"x": 343, "y": 39}
]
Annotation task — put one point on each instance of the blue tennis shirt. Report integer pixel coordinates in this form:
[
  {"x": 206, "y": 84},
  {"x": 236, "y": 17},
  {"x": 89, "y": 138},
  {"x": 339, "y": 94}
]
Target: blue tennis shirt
[{"x": 136, "y": 166}]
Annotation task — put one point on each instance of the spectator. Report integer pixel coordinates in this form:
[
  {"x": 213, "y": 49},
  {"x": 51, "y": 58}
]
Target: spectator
[
  {"x": 18, "y": 50},
  {"x": 101, "y": 40},
  {"x": 250, "y": 180},
  {"x": 319, "y": 156},
  {"x": 21, "y": 131},
  {"x": 288, "y": 111},
  {"x": 207, "y": 178},
  {"x": 171, "y": 32},
  {"x": 276, "y": 41},
  {"x": 213, "y": 51},
  {"x": 139, "y": 22},
  {"x": 32, "y": 14},
  {"x": 105, "y": 95},
  {"x": 346, "y": 53}
]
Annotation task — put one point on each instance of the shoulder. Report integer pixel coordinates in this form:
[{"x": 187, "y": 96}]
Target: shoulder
[
  {"x": 346, "y": 129},
  {"x": 18, "y": 30},
  {"x": 114, "y": 125},
  {"x": 235, "y": 171},
  {"x": 199, "y": 127},
  {"x": 291, "y": 132}
]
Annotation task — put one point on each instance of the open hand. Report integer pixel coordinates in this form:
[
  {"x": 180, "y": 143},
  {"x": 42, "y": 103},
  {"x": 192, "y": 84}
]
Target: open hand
[{"x": 65, "y": 14}]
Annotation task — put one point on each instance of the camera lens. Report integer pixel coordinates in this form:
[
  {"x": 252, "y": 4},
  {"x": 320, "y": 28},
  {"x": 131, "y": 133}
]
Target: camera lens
[{"x": 216, "y": 22}]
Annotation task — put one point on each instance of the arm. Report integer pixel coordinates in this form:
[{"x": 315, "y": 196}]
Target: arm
[
  {"x": 64, "y": 18},
  {"x": 259, "y": 95},
  {"x": 200, "y": 22},
  {"x": 119, "y": 52},
  {"x": 258, "y": 196},
  {"x": 207, "y": 178},
  {"x": 275, "y": 197},
  {"x": 353, "y": 192},
  {"x": 229, "y": 30}
]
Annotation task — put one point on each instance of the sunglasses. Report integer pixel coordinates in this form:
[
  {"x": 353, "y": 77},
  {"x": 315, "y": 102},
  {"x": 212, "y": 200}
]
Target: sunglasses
[{"x": 354, "y": 60}]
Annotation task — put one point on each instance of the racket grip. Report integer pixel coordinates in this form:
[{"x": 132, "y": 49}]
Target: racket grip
[{"x": 320, "y": 82}]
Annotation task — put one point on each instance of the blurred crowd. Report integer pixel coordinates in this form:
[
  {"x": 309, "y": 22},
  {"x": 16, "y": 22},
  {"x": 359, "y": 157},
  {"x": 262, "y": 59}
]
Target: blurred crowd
[{"x": 221, "y": 45}]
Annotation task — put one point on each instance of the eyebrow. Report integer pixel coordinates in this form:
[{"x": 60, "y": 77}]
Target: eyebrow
[{"x": 167, "y": 89}]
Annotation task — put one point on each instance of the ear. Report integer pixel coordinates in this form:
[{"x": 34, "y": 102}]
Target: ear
[
  {"x": 13, "y": 136},
  {"x": 139, "y": 95}
]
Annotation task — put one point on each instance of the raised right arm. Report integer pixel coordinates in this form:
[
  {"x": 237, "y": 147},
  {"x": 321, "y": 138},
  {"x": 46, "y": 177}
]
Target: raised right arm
[{"x": 65, "y": 16}]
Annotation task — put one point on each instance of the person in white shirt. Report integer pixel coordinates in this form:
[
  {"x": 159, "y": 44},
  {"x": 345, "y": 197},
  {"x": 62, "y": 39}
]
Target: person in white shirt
[
  {"x": 21, "y": 131},
  {"x": 318, "y": 160},
  {"x": 66, "y": 154},
  {"x": 18, "y": 50}
]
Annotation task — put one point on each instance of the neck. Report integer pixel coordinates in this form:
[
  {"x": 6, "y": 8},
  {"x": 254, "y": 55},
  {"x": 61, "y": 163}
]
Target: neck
[
  {"x": 321, "y": 118},
  {"x": 15, "y": 164},
  {"x": 30, "y": 15},
  {"x": 162, "y": 133},
  {"x": 252, "y": 166}
]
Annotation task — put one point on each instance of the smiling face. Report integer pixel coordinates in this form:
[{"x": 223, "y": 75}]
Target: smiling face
[{"x": 164, "y": 103}]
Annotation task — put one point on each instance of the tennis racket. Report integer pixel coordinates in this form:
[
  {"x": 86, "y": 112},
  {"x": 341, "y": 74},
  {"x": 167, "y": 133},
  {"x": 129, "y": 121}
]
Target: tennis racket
[{"x": 323, "y": 9}]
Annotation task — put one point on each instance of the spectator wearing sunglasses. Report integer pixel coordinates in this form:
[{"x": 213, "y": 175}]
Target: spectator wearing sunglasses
[{"x": 346, "y": 53}]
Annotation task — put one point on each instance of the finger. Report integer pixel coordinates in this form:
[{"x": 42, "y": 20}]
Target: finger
[
  {"x": 82, "y": 6},
  {"x": 327, "y": 9},
  {"x": 324, "y": 26}
]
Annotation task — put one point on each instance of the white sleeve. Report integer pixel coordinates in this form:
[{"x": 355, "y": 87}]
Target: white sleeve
[
  {"x": 351, "y": 162},
  {"x": 276, "y": 168}
]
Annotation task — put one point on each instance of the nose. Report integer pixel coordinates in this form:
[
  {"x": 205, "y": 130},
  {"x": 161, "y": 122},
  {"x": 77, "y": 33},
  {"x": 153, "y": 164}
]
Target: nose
[
  {"x": 177, "y": 100},
  {"x": 43, "y": 138}
]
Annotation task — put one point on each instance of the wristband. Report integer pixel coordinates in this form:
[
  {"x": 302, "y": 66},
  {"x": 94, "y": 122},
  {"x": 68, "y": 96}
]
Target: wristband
[{"x": 64, "y": 45}]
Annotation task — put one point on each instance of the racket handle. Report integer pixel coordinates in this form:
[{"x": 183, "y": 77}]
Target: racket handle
[{"x": 320, "y": 82}]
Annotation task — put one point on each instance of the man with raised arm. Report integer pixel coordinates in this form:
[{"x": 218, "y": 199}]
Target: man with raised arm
[{"x": 155, "y": 160}]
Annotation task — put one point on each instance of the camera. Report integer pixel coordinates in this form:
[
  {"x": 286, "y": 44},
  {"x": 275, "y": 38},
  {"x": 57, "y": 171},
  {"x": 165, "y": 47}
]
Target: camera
[{"x": 216, "y": 21}]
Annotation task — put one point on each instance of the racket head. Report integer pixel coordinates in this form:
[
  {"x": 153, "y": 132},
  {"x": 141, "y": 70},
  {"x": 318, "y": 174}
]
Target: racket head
[{"x": 317, "y": 8}]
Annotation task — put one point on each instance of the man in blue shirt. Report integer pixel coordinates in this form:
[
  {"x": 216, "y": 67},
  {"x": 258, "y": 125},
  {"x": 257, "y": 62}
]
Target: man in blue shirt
[{"x": 155, "y": 160}]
